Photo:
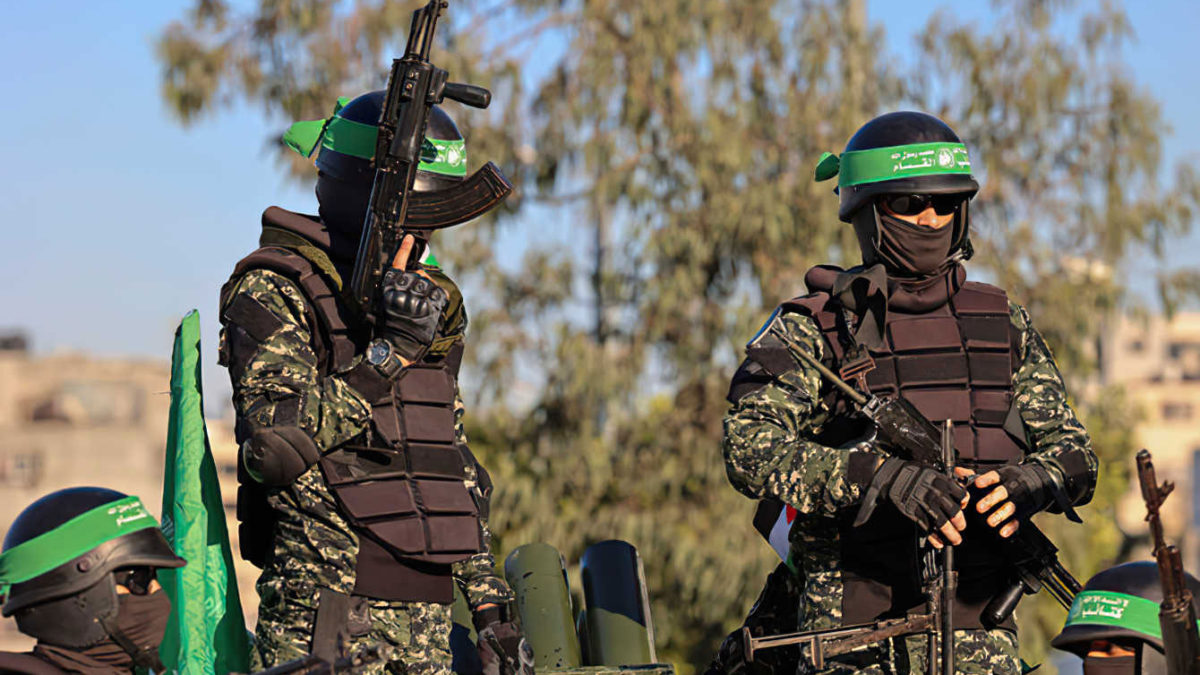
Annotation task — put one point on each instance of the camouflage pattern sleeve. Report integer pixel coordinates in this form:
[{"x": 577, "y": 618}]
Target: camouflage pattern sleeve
[
  {"x": 275, "y": 379},
  {"x": 476, "y": 576},
  {"x": 768, "y": 446},
  {"x": 1057, "y": 439}
]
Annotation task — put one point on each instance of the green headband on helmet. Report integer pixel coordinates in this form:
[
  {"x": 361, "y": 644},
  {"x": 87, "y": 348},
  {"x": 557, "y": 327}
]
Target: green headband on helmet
[
  {"x": 898, "y": 161},
  {"x": 72, "y": 539},
  {"x": 1120, "y": 610},
  {"x": 445, "y": 157}
]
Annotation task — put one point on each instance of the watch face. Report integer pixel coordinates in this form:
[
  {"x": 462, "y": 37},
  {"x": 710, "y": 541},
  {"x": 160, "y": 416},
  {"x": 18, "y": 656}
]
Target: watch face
[{"x": 378, "y": 353}]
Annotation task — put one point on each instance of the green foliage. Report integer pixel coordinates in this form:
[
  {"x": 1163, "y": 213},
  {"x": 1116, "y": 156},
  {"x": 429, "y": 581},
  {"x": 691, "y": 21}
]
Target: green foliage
[{"x": 668, "y": 147}]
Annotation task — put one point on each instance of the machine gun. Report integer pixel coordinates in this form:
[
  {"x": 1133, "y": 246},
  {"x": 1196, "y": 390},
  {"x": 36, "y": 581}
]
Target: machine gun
[
  {"x": 824, "y": 644},
  {"x": 1176, "y": 614},
  {"x": 414, "y": 86},
  {"x": 941, "y": 582},
  {"x": 906, "y": 432}
]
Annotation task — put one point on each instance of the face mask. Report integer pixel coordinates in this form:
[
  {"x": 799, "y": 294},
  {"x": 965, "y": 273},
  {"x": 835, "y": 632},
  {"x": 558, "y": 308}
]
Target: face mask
[
  {"x": 140, "y": 623},
  {"x": 913, "y": 250},
  {"x": 142, "y": 619},
  {"x": 1109, "y": 665}
]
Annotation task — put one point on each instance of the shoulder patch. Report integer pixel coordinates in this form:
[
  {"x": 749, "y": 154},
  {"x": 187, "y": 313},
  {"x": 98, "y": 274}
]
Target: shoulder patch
[
  {"x": 771, "y": 321},
  {"x": 768, "y": 350}
]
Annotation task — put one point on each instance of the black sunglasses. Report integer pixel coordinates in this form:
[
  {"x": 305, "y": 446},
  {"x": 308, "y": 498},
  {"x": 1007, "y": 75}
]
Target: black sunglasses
[
  {"x": 911, "y": 205},
  {"x": 136, "y": 579}
]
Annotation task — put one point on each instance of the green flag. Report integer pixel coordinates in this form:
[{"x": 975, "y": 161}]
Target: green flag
[{"x": 206, "y": 633}]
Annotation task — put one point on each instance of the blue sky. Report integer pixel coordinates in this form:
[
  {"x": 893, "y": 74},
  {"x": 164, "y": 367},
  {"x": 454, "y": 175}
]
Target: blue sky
[{"x": 118, "y": 220}]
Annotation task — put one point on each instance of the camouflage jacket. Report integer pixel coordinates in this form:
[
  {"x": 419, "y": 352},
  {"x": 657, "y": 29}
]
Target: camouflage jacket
[
  {"x": 769, "y": 451},
  {"x": 314, "y": 545}
]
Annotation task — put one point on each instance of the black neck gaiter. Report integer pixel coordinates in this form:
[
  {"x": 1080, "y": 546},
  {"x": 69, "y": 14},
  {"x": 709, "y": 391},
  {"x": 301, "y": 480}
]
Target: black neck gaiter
[
  {"x": 914, "y": 251},
  {"x": 104, "y": 658},
  {"x": 1110, "y": 665}
]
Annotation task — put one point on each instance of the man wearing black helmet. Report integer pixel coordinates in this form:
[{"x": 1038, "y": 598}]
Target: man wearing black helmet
[
  {"x": 359, "y": 497},
  {"x": 1113, "y": 624},
  {"x": 77, "y": 573},
  {"x": 905, "y": 323}
]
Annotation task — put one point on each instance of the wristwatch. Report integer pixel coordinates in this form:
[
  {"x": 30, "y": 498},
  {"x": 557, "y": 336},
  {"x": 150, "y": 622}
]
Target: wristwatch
[{"x": 384, "y": 358}]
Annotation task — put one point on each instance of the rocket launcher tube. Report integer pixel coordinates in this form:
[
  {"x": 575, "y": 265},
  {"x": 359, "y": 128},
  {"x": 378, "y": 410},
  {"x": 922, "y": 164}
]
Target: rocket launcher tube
[
  {"x": 619, "y": 628},
  {"x": 538, "y": 576}
]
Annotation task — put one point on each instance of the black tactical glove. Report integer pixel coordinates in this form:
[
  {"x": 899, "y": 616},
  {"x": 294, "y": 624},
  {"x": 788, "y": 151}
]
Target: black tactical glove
[
  {"x": 410, "y": 308},
  {"x": 1030, "y": 488},
  {"x": 502, "y": 648},
  {"x": 924, "y": 495}
]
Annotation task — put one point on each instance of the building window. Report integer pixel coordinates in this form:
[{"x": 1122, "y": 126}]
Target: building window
[
  {"x": 1175, "y": 411},
  {"x": 20, "y": 469}
]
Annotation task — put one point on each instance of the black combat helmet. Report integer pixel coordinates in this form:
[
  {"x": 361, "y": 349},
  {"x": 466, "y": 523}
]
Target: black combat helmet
[
  {"x": 443, "y": 155},
  {"x": 59, "y": 558},
  {"x": 897, "y": 153},
  {"x": 346, "y": 171},
  {"x": 1121, "y": 603}
]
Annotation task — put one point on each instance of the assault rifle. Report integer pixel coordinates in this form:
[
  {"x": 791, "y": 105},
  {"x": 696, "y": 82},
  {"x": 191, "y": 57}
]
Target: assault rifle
[
  {"x": 908, "y": 434},
  {"x": 414, "y": 86},
  {"x": 937, "y": 622},
  {"x": 1176, "y": 614}
]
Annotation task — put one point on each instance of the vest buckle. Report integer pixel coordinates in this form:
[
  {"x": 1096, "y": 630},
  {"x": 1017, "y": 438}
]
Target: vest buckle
[{"x": 857, "y": 368}]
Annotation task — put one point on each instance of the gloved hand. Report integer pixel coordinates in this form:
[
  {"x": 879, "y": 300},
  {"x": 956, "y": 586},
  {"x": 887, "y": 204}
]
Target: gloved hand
[
  {"x": 930, "y": 499},
  {"x": 1029, "y": 486},
  {"x": 502, "y": 648},
  {"x": 1021, "y": 491},
  {"x": 410, "y": 307}
]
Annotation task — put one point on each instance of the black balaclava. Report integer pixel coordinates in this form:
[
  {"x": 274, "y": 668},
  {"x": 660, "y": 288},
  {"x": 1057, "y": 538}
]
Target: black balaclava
[
  {"x": 1110, "y": 665},
  {"x": 342, "y": 206},
  {"x": 140, "y": 623},
  {"x": 1146, "y": 661},
  {"x": 911, "y": 250}
]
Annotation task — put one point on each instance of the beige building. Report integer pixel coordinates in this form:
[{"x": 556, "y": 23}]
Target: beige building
[
  {"x": 1158, "y": 363},
  {"x": 70, "y": 420}
]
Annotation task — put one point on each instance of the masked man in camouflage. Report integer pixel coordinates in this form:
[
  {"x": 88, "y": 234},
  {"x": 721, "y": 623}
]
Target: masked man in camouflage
[
  {"x": 359, "y": 498},
  {"x": 1113, "y": 624},
  {"x": 906, "y": 323}
]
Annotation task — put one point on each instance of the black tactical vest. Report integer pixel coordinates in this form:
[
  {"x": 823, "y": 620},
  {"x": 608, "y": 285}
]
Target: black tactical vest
[
  {"x": 954, "y": 362},
  {"x": 401, "y": 483}
]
